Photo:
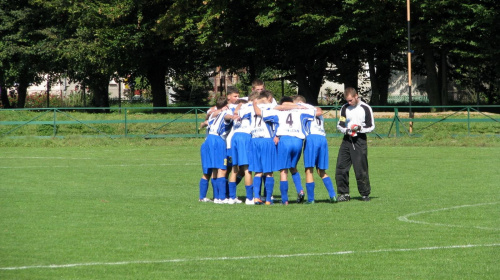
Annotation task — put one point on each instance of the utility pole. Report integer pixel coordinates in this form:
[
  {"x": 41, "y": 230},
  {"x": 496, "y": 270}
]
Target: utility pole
[{"x": 409, "y": 64}]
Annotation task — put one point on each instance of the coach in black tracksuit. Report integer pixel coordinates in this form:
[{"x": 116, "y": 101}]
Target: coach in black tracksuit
[{"x": 356, "y": 119}]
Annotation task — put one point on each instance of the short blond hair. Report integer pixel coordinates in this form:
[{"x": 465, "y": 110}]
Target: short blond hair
[{"x": 350, "y": 91}]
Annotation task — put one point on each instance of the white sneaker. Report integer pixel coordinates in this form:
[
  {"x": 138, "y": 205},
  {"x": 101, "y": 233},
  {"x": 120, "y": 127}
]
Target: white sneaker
[
  {"x": 230, "y": 201},
  {"x": 237, "y": 201},
  {"x": 225, "y": 201},
  {"x": 249, "y": 202},
  {"x": 206, "y": 199},
  {"x": 217, "y": 201}
]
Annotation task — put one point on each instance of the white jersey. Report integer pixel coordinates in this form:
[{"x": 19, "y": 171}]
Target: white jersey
[
  {"x": 244, "y": 124},
  {"x": 289, "y": 123},
  {"x": 259, "y": 127},
  {"x": 218, "y": 126},
  {"x": 314, "y": 126},
  {"x": 231, "y": 107},
  {"x": 361, "y": 114}
]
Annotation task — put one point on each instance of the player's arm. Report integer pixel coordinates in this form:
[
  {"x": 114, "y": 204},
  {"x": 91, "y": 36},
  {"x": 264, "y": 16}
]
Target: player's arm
[
  {"x": 214, "y": 113},
  {"x": 369, "y": 121},
  {"x": 256, "y": 108},
  {"x": 319, "y": 111},
  {"x": 341, "y": 125},
  {"x": 237, "y": 109},
  {"x": 289, "y": 106}
]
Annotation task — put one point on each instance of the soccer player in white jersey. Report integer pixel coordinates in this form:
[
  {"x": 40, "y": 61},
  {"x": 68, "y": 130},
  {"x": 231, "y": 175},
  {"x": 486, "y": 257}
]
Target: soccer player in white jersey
[
  {"x": 214, "y": 151},
  {"x": 264, "y": 151},
  {"x": 241, "y": 149},
  {"x": 208, "y": 160},
  {"x": 289, "y": 130},
  {"x": 315, "y": 152},
  {"x": 232, "y": 98}
]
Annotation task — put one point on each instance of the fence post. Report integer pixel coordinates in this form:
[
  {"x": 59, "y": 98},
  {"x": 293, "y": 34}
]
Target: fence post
[
  {"x": 468, "y": 120},
  {"x": 125, "y": 116},
  {"x": 54, "y": 126},
  {"x": 196, "y": 116},
  {"x": 396, "y": 119}
]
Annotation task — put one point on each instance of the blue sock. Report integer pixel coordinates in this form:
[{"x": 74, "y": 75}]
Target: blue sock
[
  {"x": 256, "y": 186},
  {"x": 222, "y": 188},
  {"x": 203, "y": 188},
  {"x": 310, "y": 191},
  {"x": 297, "y": 182},
  {"x": 226, "y": 193},
  {"x": 329, "y": 187},
  {"x": 232, "y": 190},
  {"x": 215, "y": 187},
  {"x": 249, "y": 192},
  {"x": 269, "y": 186},
  {"x": 284, "y": 191}
]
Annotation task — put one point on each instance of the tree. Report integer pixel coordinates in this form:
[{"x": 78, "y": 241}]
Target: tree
[
  {"x": 453, "y": 40},
  {"x": 26, "y": 48}
]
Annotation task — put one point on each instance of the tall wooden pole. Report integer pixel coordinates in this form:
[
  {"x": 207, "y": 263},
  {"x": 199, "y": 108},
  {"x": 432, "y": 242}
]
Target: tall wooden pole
[{"x": 409, "y": 63}]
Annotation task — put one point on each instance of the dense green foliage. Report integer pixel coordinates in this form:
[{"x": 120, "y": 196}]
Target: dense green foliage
[{"x": 304, "y": 42}]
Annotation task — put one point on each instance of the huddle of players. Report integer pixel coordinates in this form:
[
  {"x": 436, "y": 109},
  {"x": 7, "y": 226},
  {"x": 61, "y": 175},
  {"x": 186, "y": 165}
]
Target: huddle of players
[{"x": 256, "y": 136}]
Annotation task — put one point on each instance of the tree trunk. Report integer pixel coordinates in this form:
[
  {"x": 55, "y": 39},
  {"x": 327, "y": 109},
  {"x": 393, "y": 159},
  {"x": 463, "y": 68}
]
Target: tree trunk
[
  {"x": 22, "y": 90},
  {"x": 383, "y": 67},
  {"x": 444, "y": 77},
  {"x": 99, "y": 86},
  {"x": 156, "y": 77},
  {"x": 432, "y": 83},
  {"x": 348, "y": 68},
  {"x": 4, "y": 96},
  {"x": 375, "y": 98},
  {"x": 310, "y": 78}
]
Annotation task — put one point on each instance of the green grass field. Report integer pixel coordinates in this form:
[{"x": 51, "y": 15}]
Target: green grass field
[{"x": 128, "y": 209}]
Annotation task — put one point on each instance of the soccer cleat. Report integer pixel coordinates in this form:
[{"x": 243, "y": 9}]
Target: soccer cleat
[
  {"x": 230, "y": 201},
  {"x": 249, "y": 202},
  {"x": 333, "y": 199},
  {"x": 269, "y": 203},
  {"x": 224, "y": 201},
  {"x": 365, "y": 198},
  {"x": 237, "y": 201},
  {"x": 284, "y": 203},
  {"x": 257, "y": 201},
  {"x": 300, "y": 197},
  {"x": 310, "y": 202},
  {"x": 344, "y": 197},
  {"x": 206, "y": 199}
]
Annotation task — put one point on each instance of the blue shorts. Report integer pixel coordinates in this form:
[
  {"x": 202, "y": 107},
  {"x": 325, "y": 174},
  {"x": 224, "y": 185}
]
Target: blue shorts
[
  {"x": 213, "y": 154},
  {"x": 316, "y": 152},
  {"x": 264, "y": 155},
  {"x": 241, "y": 149},
  {"x": 289, "y": 151}
]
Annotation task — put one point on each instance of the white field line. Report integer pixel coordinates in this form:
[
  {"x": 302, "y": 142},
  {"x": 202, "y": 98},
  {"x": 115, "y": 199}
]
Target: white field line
[
  {"x": 99, "y": 165},
  {"x": 43, "y": 158},
  {"x": 53, "y": 266},
  {"x": 406, "y": 218}
]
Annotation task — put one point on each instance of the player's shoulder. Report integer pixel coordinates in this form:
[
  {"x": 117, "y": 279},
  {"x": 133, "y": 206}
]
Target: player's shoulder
[{"x": 364, "y": 105}]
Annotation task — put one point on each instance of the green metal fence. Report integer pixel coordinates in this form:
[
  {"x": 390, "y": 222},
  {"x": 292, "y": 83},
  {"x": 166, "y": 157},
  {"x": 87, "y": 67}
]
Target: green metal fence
[{"x": 146, "y": 122}]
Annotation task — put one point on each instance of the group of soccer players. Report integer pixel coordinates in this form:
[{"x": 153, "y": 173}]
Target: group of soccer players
[{"x": 256, "y": 136}]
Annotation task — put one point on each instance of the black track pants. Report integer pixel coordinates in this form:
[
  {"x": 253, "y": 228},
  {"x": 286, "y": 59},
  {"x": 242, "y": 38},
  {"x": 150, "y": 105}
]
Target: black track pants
[{"x": 353, "y": 152}]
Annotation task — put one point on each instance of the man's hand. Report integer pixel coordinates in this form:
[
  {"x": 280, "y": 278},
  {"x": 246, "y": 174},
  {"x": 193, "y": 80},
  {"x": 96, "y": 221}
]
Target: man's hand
[
  {"x": 355, "y": 127},
  {"x": 350, "y": 132}
]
